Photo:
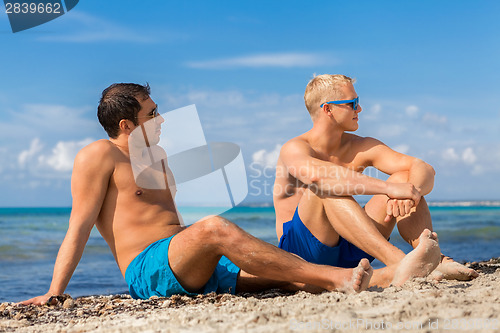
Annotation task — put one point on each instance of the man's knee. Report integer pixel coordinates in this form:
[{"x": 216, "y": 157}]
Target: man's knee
[{"x": 216, "y": 228}]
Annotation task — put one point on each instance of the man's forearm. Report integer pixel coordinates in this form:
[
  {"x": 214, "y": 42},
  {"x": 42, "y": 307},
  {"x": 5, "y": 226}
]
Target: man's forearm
[
  {"x": 69, "y": 255},
  {"x": 341, "y": 181}
]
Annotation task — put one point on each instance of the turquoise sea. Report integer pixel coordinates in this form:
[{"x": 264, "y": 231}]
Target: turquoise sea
[{"x": 30, "y": 239}]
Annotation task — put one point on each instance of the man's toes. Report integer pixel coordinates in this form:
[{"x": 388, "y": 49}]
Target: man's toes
[
  {"x": 356, "y": 283},
  {"x": 436, "y": 276},
  {"x": 426, "y": 233},
  {"x": 470, "y": 274},
  {"x": 365, "y": 263}
]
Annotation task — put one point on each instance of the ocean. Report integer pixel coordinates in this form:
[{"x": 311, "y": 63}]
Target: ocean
[{"x": 30, "y": 239}]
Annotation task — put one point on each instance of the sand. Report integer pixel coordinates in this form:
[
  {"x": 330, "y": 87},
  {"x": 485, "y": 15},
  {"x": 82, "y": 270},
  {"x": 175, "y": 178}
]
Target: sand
[{"x": 418, "y": 306}]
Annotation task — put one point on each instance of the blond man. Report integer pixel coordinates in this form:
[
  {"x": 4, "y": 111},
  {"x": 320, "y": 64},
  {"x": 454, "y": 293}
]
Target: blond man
[{"x": 318, "y": 173}]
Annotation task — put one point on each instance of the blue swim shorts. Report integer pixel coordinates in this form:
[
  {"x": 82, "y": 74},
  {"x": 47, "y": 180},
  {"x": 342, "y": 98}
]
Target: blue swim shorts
[
  {"x": 149, "y": 274},
  {"x": 299, "y": 240}
]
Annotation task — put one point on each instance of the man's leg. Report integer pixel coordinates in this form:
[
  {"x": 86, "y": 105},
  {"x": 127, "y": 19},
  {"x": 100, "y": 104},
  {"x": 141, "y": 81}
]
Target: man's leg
[
  {"x": 328, "y": 217},
  {"x": 252, "y": 283},
  {"x": 195, "y": 252},
  {"x": 411, "y": 226}
]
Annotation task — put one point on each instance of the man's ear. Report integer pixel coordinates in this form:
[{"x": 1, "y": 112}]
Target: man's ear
[
  {"x": 326, "y": 110},
  {"x": 126, "y": 126}
]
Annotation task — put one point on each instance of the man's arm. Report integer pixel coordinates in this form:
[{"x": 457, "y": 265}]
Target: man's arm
[
  {"x": 383, "y": 158},
  {"x": 91, "y": 173},
  {"x": 420, "y": 174},
  {"x": 327, "y": 178}
]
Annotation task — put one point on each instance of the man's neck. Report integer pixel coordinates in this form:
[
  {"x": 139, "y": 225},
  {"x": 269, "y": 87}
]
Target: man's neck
[
  {"x": 121, "y": 142},
  {"x": 325, "y": 138}
]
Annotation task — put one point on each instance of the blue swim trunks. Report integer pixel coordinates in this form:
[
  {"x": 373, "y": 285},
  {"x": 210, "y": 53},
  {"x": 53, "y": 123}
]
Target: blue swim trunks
[
  {"x": 149, "y": 274},
  {"x": 299, "y": 240}
]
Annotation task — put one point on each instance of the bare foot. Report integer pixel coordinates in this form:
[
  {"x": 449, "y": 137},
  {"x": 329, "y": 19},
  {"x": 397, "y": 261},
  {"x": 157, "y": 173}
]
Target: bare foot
[
  {"x": 435, "y": 276},
  {"x": 451, "y": 270},
  {"x": 421, "y": 261},
  {"x": 360, "y": 277}
]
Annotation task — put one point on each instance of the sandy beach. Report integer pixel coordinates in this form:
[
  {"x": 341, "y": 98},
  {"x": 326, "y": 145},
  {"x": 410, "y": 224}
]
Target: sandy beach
[{"x": 418, "y": 306}]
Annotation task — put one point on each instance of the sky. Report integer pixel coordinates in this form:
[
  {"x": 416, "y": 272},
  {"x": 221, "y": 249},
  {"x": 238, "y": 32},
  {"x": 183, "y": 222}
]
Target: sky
[{"x": 428, "y": 78}]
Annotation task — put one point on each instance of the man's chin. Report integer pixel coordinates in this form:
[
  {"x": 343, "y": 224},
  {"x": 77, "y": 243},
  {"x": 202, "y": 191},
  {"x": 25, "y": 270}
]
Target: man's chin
[
  {"x": 352, "y": 129},
  {"x": 154, "y": 141}
]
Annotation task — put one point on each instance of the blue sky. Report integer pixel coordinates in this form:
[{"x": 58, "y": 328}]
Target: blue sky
[{"x": 427, "y": 72}]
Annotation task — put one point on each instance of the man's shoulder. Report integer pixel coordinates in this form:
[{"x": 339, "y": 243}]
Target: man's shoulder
[
  {"x": 298, "y": 141},
  {"x": 297, "y": 144},
  {"x": 361, "y": 141},
  {"x": 102, "y": 146},
  {"x": 96, "y": 152}
]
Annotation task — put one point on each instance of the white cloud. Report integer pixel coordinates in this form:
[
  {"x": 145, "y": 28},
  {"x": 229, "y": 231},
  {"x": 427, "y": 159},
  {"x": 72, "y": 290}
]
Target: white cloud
[
  {"x": 46, "y": 121},
  {"x": 233, "y": 99},
  {"x": 434, "y": 119},
  {"x": 26, "y": 155},
  {"x": 412, "y": 110},
  {"x": 47, "y": 113},
  {"x": 283, "y": 60},
  {"x": 267, "y": 159},
  {"x": 468, "y": 156},
  {"x": 57, "y": 162},
  {"x": 64, "y": 153},
  {"x": 253, "y": 120},
  {"x": 33, "y": 140},
  {"x": 373, "y": 112},
  {"x": 376, "y": 108},
  {"x": 391, "y": 130},
  {"x": 477, "y": 170},
  {"x": 212, "y": 98},
  {"x": 450, "y": 155},
  {"x": 85, "y": 28}
]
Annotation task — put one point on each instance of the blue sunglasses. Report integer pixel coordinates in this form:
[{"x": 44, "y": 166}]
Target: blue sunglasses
[{"x": 355, "y": 103}]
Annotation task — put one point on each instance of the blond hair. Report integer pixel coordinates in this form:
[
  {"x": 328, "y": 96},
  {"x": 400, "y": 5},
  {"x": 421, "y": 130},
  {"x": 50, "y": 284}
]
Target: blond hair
[{"x": 324, "y": 88}]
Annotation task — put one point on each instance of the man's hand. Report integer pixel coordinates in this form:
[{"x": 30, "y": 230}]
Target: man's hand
[
  {"x": 398, "y": 207},
  {"x": 40, "y": 300},
  {"x": 404, "y": 196}
]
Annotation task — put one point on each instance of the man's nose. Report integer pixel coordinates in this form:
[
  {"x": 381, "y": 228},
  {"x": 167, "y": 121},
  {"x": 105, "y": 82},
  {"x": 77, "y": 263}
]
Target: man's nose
[{"x": 160, "y": 119}]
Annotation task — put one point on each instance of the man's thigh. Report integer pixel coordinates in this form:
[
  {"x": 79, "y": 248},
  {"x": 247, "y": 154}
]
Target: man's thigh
[
  {"x": 191, "y": 258},
  {"x": 312, "y": 214},
  {"x": 331, "y": 218},
  {"x": 321, "y": 215}
]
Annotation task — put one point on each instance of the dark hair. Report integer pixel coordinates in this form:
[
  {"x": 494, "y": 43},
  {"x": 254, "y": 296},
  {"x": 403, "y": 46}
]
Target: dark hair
[{"x": 120, "y": 101}]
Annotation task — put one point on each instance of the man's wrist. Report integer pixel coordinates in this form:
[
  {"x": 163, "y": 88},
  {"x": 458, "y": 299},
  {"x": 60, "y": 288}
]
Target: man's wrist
[
  {"x": 385, "y": 188},
  {"x": 54, "y": 292}
]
